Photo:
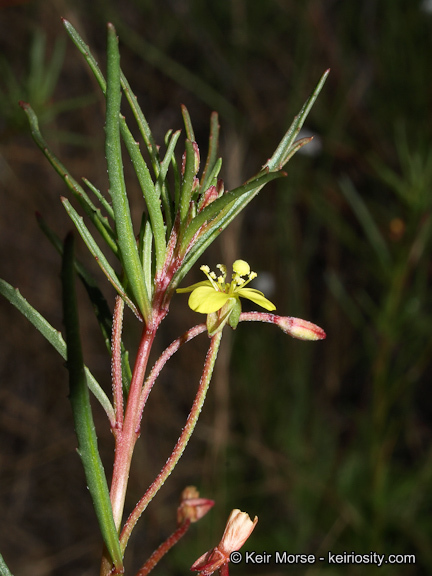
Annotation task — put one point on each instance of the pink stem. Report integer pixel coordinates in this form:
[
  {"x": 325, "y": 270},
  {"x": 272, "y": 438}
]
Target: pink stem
[
  {"x": 164, "y": 548},
  {"x": 163, "y": 359},
  {"x": 116, "y": 368},
  {"x": 295, "y": 327},
  {"x": 128, "y": 435},
  {"x": 181, "y": 442}
]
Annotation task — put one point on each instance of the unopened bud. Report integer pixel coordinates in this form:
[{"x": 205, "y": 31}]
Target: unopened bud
[
  {"x": 301, "y": 329},
  {"x": 192, "y": 507}
]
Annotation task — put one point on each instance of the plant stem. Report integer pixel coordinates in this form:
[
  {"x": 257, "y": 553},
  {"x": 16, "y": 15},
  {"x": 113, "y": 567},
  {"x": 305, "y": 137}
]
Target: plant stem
[
  {"x": 126, "y": 438},
  {"x": 116, "y": 366},
  {"x": 181, "y": 442},
  {"x": 163, "y": 359},
  {"x": 164, "y": 548}
]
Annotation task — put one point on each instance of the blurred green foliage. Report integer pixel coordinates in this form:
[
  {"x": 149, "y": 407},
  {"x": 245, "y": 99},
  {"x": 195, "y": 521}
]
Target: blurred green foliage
[{"x": 329, "y": 443}]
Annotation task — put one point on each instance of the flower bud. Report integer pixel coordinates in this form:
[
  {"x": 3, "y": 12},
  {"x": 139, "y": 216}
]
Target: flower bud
[
  {"x": 192, "y": 507},
  {"x": 301, "y": 329}
]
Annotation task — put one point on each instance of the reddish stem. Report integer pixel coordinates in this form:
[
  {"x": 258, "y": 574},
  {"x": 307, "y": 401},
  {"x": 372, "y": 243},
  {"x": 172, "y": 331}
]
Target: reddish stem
[
  {"x": 163, "y": 359},
  {"x": 128, "y": 435},
  {"x": 164, "y": 548},
  {"x": 116, "y": 368},
  {"x": 181, "y": 442}
]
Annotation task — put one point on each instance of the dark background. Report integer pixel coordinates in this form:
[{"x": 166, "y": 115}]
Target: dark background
[{"x": 328, "y": 443}]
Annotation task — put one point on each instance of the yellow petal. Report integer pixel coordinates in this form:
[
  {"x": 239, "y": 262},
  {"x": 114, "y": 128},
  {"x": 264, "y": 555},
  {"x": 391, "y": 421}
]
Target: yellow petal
[
  {"x": 205, "y": 299},
  {"x": 193, "y": 286},
  {"x": 257, "y": 297}
]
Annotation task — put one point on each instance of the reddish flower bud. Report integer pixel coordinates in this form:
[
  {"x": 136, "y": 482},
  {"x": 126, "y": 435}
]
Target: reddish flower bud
[
  {"x": 301, "y": 329},
  {"x": 192, "y": 507}
]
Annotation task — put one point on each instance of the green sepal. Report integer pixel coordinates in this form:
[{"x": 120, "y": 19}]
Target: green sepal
[
  {"x": 81, "y": 408},
  {"x": 217, "y": 320},
  {"x": 234, "y": 317}
]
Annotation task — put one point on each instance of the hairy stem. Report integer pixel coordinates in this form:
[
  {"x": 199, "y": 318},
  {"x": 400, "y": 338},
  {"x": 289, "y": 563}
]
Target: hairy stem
[
  {"x": 116, "y": 366},
  {"x": 181, "y": 442},
  {"x": 164, "y": 548}
]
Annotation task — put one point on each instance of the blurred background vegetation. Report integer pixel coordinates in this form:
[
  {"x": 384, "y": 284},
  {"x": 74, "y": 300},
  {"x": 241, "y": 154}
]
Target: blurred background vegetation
[{"x": 328, "y": 443}]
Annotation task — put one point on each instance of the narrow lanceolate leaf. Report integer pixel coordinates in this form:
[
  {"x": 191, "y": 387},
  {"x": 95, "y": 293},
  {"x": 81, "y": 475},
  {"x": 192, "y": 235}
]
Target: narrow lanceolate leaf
[
  {"x": 100, "y": 307},
  {"x": 283, "y": 151},
  {"x": 188, "y": 176},
  {"x": 125, "y": 233},
  {"x": 143, "y": 126},
  {"x": 55, "y": 338},
  {"x": 4, "y": 570},
  {"x": 98, "y": 254},
  {"x": 103, "y": 201},
  {"x": 188, "y": 124},
  {"x": 151, "y": 196},
  {"x": 80, "y": 401},
  {"x": 114, "y": 158},
  {"x": 229, "y": 210},
  {"x": 216, "y": 207},
  {"x": 85, "y": 51},
  {"x": 206, "y": 178},
  {"x": 100, "y": 222}
]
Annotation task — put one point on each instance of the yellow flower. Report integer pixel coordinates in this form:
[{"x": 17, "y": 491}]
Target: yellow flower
[{"x": 211, "y": 295}]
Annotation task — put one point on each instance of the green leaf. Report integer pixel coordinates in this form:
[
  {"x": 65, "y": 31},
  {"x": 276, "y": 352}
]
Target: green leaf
[
  {"x": 188, "y": 124},
  {"x": 80, "y": 401},
  {"x": 143, "y": 126},
  {"x": 284, "y": 151},
  {"x": 187, "y": 182},
  {"x": 250, "y": 188},
  {"x": 100, "y": 222},
  {"x": 98, "y": 254},
  {"x": 151, "y": 196},
  {"x": 207, "y": 175},
  {"x": 99, "y": 303},
  {"x": 125, "y": 234},
  {"x": 106, "y": 205},
  {"x": 55, "y": 338},
  {"x": 85, "y": 51},
  {"x": 4, "y": 570}
]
